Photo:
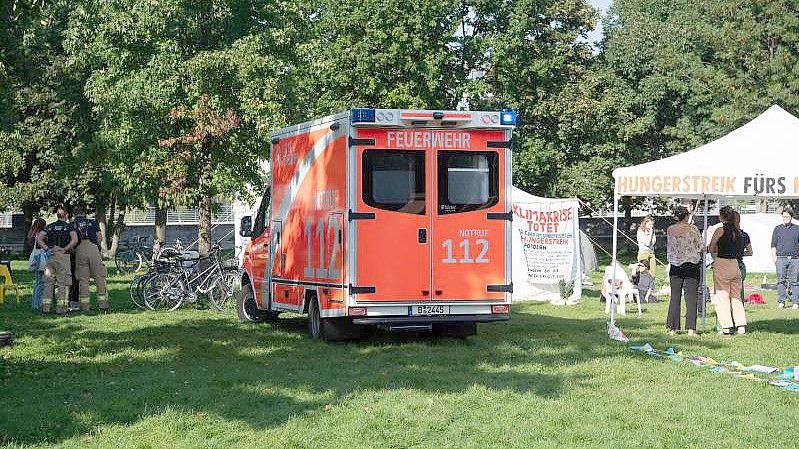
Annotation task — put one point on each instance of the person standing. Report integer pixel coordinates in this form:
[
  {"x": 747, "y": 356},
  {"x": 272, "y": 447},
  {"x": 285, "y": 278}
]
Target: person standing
[
  {"x": 747, "y": 251},
  {"x": 684, "y": 247},
  {"x": 646, "y": 242},
  {"x": 727, "y": 247},
  {"x": 57, "y": 239},
  {"x": 785, "y": 254},
  {"x": 89, "y": 261},
  {"x": 38, "y": 275}
]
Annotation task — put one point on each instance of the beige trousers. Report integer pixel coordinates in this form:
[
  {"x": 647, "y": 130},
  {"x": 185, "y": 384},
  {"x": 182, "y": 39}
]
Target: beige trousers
[
  {"x": 57, "y": 272},
  {"x": 645, "y": 254},
  {"x": 89, "y": 262},
  {"x": 727, "y": 300}
]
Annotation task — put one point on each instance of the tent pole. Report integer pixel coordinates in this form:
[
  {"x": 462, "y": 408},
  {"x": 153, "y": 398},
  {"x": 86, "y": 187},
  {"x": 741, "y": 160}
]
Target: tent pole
[
  {"x": 704, "y": 256},
  {"x": 615, "y": 253}
]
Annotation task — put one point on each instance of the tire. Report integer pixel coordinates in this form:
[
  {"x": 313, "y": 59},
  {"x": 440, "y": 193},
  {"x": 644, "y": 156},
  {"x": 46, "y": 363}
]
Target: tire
[
  {"x": 246, "y": 308},
  {"x": 314, "y": 320},
  {"x": 163, "y": 292},
  {"x": 135, "y": 291},
  {"x": 233, "y": 280},
  {"x": 128, "y": 261},
  {"x": 220, "y": 295},
  {"x": 455, "y": 330},
  {"x": 330, "y": 329}
]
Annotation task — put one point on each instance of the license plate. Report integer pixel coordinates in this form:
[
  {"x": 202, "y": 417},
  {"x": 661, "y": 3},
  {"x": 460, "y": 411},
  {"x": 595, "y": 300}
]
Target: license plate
[{"x": 428, "y": 310}]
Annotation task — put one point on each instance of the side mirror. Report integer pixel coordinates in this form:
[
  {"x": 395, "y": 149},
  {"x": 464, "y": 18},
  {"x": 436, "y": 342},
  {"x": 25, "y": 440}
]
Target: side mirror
[{"x": 245, "y": 230}]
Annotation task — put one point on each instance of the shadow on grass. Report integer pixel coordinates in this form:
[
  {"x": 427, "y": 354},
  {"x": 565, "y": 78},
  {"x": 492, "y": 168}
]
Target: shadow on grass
[
  {"x": 263, "y": 374},
  {"x": 778, "y": 326}
]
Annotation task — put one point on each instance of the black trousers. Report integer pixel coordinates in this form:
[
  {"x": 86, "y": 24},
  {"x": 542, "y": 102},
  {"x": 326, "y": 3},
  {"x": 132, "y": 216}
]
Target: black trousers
[{"x": 683, "y": 279}]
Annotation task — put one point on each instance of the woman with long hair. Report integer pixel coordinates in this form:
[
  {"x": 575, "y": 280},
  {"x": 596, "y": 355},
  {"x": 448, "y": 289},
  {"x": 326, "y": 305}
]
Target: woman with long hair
[
  {"x": 38, "y": 276},
  {"x": 684, "y": 251},
  {"x": 727, "y": 246},
  {"x": 646, "y": 242}
]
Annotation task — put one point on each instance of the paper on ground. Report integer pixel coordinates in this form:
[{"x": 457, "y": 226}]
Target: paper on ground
[
  {"x": 644, "y": 347},
  {"x": 760, "y": 369}
]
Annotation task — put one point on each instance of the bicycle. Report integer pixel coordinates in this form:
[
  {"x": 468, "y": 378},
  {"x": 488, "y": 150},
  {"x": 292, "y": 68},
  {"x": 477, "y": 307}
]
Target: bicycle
[
  {"x": 140, "y": 282},
  {"x": 134, "y": 255},
  {"x": 186, "y": 281}
]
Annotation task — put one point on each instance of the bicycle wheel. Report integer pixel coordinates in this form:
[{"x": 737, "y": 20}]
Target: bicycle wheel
[
  {"x": 220, "y": 296},
  {"x": 135, "y": 291},
  {"x": 163, "y": 292},
  {"x": 233, "y": 280},
  {"x": 127, "y": 261}
]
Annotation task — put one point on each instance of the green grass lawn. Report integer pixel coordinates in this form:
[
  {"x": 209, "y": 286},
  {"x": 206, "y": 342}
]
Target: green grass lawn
[{"x": 549, "y": 378}]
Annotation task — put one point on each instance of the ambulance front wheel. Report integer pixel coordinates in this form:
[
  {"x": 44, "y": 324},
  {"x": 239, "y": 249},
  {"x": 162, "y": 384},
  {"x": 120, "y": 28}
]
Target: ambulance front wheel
[{"x": 245, "y": 306}]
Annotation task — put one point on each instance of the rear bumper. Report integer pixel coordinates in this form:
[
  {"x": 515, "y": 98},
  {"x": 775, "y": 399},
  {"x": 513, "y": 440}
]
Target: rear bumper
[{"x": 430, "y": 319}]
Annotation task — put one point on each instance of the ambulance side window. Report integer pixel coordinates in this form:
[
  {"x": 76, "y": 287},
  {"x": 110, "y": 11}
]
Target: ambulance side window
[
  {"x": 394, "y": 180},
  {"x": 467, "y": 181},
  {"x": 262, "y": 218}
]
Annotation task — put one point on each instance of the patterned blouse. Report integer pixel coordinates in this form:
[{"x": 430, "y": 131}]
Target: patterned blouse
[{"x": 684, "y": 244}]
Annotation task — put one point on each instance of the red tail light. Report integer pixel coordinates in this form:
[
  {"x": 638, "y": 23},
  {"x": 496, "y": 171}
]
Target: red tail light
[
  {"x": 499, "y": 309},
  {"x": 357, "y": 311}
]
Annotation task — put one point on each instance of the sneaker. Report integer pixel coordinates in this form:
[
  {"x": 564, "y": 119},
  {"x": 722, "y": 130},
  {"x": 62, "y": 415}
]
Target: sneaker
[
  {"x": 795, "y": 307},
  {"x": 781, "y": 306}
]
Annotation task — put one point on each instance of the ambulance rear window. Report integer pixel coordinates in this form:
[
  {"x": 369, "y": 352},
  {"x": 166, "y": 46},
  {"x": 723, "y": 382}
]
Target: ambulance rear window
[
  {"x": 394, "y": 180},
  {"x": 467, "y": 181}
]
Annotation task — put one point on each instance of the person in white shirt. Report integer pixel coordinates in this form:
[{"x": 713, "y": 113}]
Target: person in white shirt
[{"x": 646, "y": 242}]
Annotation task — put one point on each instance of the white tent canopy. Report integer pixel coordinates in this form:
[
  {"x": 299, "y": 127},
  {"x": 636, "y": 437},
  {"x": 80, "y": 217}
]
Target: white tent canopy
[{"x": 759, "y": 159}]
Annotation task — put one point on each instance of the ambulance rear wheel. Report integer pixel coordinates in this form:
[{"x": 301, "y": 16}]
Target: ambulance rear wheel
[
  {"x": 330, "y": 329},
  {"x": 315, "y": 321},
  {"x": 246, "y": 307}
]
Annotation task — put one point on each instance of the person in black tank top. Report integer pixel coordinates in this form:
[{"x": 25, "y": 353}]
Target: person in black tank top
[{"x": 727, "y": 247}]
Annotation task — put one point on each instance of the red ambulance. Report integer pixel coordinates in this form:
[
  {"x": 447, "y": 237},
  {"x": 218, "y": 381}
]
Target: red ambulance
[{"x": 387, "y": 217}]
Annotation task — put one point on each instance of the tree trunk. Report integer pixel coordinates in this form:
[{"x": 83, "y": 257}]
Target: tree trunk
[
  {"x": 204, "y": 224},
  {"x": 29, "y": 210},
  {"x": 102, "y": 222},
  {"x": 117, "y": 232},
  {"x": 204, "y": 206},
  {"x": 159, "y": 240},
  {"x": 108, "y": 233}
]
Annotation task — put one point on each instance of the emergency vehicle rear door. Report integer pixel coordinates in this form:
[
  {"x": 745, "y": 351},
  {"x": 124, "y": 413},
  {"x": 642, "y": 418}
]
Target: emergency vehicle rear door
[
  {"x": 469, "y": 221},
  {"x": 392, "y": 221}
]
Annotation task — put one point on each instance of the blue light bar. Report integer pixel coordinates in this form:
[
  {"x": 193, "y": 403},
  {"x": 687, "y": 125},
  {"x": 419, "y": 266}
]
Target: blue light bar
[
  {"x": 363, "y": 115},
  {"x": 507, "y": 117}
]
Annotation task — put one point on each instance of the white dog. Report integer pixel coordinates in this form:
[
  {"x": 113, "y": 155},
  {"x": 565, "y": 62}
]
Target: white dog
[{"x": 624, "y": 289}]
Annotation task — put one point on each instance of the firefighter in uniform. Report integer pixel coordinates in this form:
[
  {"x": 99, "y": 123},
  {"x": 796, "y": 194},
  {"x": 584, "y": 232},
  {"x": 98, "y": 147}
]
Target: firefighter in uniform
[
  {"x": 58, "y": 239},
  {"x": 89, "y": 261}
]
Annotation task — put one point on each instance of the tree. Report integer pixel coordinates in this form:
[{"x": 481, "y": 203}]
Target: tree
[
  {"x": 672, "y": 76},
  {"x": 45, "y": 127},
  {"x": 148, "y": 58},
  {"x": 522, "y": 54},
  {"x": 380, "y": 53},
  {"x": 196, "y": 156}
]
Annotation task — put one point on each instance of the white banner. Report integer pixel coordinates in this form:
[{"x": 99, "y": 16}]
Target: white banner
[{"x": 546, "y": 250}]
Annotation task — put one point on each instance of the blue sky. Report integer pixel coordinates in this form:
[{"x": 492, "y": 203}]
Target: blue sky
[{"x": 603, "y": 6}]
